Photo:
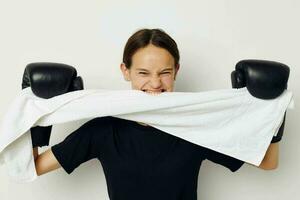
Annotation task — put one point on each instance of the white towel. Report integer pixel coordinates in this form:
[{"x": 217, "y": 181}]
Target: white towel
[{"x": 229, "y": 121}]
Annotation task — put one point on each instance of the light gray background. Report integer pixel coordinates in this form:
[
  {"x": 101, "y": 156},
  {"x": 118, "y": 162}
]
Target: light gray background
[{"x": 212, "y": 37}]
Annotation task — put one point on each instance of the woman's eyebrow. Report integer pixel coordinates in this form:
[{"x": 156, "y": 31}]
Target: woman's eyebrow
[
  {"x": 168, "y": 69},
  {"x": 148, "y": 70}
]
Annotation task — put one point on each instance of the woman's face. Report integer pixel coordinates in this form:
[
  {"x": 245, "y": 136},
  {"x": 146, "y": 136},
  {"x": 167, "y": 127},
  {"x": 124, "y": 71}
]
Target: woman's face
[{"x": 152, "y": 70}]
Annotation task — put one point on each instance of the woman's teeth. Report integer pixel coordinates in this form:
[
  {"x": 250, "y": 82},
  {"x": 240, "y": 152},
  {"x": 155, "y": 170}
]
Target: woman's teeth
[{"x": 155, "y": 93}]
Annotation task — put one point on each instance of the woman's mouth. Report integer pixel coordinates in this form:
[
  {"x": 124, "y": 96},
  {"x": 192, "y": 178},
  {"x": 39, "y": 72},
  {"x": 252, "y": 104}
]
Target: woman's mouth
[{"x": 154, "y": 91}]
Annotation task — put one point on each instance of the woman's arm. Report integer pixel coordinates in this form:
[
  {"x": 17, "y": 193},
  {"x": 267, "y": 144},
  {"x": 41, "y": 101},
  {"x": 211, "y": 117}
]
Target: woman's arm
[
  {"x": 270, "y": 160},
  {"x": 45, "y": 162}
]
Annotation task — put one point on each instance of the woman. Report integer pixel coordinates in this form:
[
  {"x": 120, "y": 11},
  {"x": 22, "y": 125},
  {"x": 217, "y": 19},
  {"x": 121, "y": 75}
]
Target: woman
[{"x": 140, "y": 161}]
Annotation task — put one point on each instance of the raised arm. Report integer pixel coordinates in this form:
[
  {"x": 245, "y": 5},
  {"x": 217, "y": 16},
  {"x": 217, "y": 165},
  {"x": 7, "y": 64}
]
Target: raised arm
[
  {"x": 46, "y": 81},
  {"x": 265, "y": 80}
]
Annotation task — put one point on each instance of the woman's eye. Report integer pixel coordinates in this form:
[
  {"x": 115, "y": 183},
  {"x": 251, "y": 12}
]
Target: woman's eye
[{"x": 144, "y": 73}]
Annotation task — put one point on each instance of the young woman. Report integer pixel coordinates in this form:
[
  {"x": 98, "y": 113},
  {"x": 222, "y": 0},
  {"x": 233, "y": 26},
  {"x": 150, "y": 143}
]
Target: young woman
[{"x": 140, "y": 161}]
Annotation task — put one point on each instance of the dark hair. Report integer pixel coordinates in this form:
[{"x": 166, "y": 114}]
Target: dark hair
[{"x": 143, "y": 37}]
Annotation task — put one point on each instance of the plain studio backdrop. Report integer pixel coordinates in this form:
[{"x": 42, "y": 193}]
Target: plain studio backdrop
[{"x": 212, "y": 36}]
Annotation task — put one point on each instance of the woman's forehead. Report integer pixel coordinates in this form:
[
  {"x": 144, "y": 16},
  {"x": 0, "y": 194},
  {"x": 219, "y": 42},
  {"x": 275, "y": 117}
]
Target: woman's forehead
[{"x": 152, "y": 61}]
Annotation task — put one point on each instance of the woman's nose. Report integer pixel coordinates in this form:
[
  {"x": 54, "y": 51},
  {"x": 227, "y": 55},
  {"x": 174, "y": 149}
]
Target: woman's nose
[{"x": 155, "y": 82}]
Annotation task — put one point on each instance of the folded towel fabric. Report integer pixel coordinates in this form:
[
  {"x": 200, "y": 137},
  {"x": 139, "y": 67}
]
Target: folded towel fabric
[{"x": 229, "y": 121}]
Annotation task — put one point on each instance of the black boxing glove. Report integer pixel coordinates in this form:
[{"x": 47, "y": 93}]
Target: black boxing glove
[
  {"x": 48, "y": 80},
  {"x": 263, "y": 79}
]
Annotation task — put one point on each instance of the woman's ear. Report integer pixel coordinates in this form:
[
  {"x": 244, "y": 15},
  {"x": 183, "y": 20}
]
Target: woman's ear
[
  {"x": 176, "y": 70},
  {"x": 125, "y": 71}
]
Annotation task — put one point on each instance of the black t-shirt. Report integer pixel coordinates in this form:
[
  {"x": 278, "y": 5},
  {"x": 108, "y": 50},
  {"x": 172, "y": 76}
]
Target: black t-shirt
[{"x": 139, "y": 162}]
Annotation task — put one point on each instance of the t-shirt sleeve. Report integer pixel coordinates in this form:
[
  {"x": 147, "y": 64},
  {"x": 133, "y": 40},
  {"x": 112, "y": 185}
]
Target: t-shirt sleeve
[
  {"x": 229, "y": 162},
  {"x": 83, "y": 144}
]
